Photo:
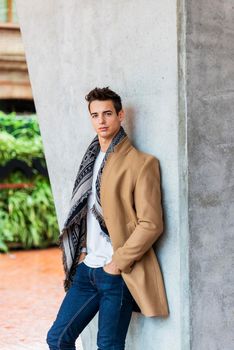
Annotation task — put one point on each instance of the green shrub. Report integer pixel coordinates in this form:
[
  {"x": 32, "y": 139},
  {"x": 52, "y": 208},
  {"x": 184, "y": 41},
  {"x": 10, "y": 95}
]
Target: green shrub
[{"x": 27, "y": 215}]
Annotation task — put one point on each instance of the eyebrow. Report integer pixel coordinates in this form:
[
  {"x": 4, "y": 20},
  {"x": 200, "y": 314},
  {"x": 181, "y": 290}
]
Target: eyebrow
[{"x": 108, "y": 110}]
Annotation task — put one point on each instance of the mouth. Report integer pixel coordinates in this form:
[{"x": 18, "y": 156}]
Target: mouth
[{"x": 103, "y": 129}]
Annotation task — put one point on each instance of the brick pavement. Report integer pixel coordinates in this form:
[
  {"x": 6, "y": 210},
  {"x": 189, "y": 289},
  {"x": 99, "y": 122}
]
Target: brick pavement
[{"x": 30, "y": 293}]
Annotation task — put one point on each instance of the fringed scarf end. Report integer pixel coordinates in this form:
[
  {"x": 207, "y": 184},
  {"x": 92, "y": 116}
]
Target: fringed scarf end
[
  {"x": 69, "y": 272},
  {"x": 66, "y": 281},
  {"x": 98, "y": 216}
]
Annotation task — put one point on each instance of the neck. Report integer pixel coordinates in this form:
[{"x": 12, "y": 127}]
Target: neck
[{"x": 105, "y": 143}]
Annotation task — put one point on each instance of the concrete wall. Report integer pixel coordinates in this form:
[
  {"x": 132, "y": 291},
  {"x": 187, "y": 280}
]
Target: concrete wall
[
  {"x": 130, "y": 46},
  {"x": 210, "y": 101}
]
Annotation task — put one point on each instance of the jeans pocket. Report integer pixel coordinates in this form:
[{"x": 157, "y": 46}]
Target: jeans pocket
[{"x": 111, "y": 274}]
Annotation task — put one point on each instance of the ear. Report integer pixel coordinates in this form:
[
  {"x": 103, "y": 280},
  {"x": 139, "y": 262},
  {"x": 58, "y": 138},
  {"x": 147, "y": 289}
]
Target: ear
[{"x": 121, "y": 115}]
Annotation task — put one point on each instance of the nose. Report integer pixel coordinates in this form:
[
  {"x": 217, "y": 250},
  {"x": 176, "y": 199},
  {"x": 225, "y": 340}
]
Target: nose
[{"x": 102, "y": 119}]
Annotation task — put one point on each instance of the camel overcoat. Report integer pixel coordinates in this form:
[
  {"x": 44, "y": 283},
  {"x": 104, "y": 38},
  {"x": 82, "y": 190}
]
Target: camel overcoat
[{"x": 130, "y": 196}]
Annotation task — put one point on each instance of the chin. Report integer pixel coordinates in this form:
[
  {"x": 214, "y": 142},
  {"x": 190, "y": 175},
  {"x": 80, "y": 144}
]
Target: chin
[{"x": 104, "y": 134}]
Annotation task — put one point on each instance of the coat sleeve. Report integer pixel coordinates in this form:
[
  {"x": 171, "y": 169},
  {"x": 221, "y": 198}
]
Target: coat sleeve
[{"x": 147, "y": 201}]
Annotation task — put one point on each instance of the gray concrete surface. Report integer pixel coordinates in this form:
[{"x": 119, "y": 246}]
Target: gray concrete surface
[
  {"x": 74, "y": 46},
  {"x": 210, "y": 101}
]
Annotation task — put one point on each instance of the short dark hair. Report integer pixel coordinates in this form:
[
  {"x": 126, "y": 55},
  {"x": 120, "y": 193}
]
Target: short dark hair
[{"x": 103, "y": 94}]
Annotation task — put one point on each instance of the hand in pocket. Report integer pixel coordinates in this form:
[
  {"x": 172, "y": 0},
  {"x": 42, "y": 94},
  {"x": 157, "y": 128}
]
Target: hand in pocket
[
  {"x": 111, "y": 268},
  {"x": 81, "y": 257}
]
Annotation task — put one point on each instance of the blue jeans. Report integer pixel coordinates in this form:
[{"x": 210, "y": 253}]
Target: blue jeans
[{"x": 93, "y": 290}]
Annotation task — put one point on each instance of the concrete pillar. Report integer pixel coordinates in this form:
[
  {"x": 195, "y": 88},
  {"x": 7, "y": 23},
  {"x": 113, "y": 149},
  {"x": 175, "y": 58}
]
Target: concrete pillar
[
  {"x": 210, "y": 122},
  {"x": 131, "y": 46}
]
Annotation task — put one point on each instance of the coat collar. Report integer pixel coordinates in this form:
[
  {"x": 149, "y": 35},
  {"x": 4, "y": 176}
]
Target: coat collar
[{"x": 123, "y": 146}]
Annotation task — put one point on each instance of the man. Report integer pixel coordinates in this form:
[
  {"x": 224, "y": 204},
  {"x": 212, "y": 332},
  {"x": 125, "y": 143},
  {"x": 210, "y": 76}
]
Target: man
[{"x": 115, "y": 216}]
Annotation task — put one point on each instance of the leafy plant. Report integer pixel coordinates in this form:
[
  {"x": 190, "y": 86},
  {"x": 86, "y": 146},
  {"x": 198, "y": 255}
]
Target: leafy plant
[{"x": 27, "y": 215}]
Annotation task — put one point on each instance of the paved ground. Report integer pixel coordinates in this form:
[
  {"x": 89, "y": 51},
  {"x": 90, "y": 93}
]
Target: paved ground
[{"x": 31, "y": 291}]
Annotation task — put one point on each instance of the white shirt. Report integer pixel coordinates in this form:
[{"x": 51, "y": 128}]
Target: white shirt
[{"x": 99, "y": 250}]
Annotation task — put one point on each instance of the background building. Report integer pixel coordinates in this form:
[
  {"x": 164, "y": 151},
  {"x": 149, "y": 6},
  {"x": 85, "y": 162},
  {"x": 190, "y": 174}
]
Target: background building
[{"x": 15, "y": 88}]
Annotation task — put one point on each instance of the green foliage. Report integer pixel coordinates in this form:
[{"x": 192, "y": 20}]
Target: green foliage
[
  {"x": 27, "y": 216},
  {"x": 19, "y": 138}
]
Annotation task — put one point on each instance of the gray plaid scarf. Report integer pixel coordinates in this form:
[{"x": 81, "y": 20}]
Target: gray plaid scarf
[{"x": 73, "y": 234}]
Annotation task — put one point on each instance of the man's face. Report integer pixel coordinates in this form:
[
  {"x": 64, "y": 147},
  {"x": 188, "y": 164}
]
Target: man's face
[{"x": 105, "y": 120}]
